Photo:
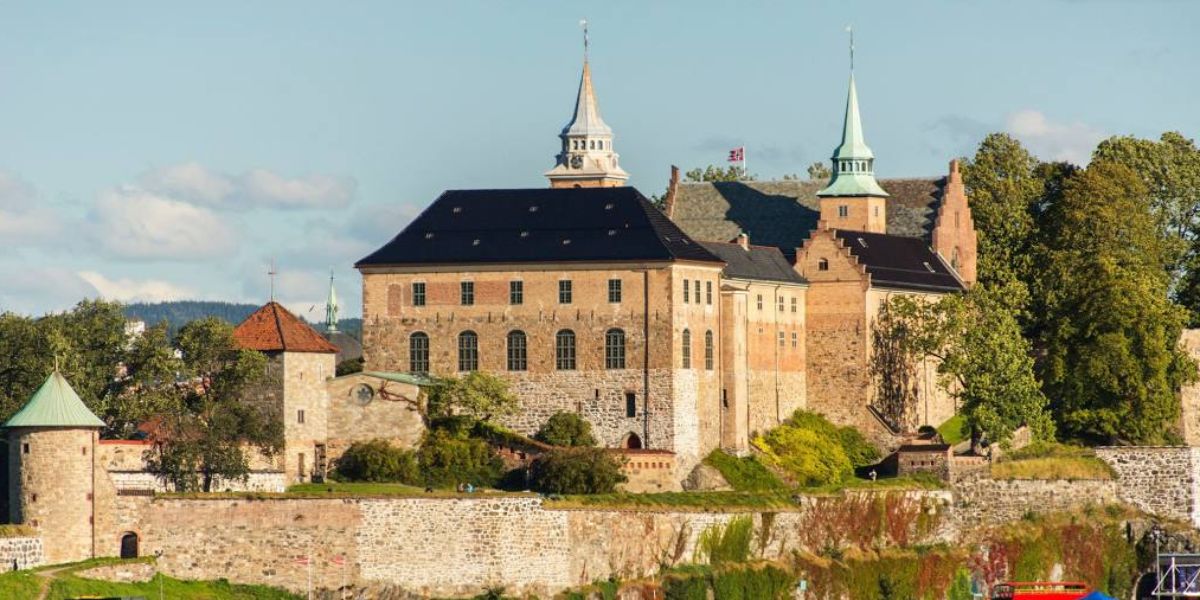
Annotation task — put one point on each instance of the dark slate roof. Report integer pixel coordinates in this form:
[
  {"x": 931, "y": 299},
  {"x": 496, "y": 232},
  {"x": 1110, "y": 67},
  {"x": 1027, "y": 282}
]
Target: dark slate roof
[
  {"x": 544, "y": 224},
  {"x": 903, "y": 262},
  {"x": 759, "y": 262},
  {"x": 782, "y": 213}
]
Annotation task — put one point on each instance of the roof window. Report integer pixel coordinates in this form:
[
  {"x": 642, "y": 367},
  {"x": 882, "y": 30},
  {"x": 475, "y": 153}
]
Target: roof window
[
  {"x": 475, "y": 243},
  {"x": 608, "y": 206},
  {"x": 524, "y": 234},
  {"x": 457, "y": 209},
  {"x": 929, "y": 267},
  {"x": 612, "y": 232},
  {"x": 567, "y": 242},
  {"x": 429, "y": 235},
  {"x": 533, "y": 208}
]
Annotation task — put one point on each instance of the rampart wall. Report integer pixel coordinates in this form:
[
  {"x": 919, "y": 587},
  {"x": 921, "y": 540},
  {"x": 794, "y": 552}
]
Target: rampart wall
[
  {"x": 21, "y": 553},
  {"x": 1159, "y": 480}
]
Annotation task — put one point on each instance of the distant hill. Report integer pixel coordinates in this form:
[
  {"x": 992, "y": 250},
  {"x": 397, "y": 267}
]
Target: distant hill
[{"x": 180, "y": 312}]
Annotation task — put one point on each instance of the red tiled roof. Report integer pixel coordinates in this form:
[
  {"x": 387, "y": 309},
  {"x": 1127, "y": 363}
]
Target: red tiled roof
[{"x": 272, "y": 329}]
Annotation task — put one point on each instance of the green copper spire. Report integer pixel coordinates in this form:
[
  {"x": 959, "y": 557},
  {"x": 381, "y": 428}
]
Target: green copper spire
[
  {"x": 331, "y": 308},
  {"x": 853, "y": 161},
  {"x": 55, "y": 404}
]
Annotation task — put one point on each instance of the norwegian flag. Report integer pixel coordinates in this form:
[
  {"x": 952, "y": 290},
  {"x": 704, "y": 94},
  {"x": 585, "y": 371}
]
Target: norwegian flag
[{"x": 737, "y": 154}]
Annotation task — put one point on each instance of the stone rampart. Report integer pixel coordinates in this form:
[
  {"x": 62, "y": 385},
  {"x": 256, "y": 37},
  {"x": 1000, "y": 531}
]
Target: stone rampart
[
  {"x": 1160, "y": 480},
  {"x": 982, "y": 501},
  {"x": 21, "y": 552},
  {"x": 459, "y": 546}
]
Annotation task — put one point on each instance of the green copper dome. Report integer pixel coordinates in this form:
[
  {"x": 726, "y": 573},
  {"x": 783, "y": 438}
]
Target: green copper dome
[
  {"x": 853, "y": 161},
  {"x": 55, "y": 404}
]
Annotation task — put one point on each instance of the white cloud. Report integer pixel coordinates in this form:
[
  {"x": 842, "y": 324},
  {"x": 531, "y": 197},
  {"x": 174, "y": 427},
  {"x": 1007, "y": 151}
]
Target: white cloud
[
  {"x": 1051, "y": 140},
  {"x": 132, "y": 290},
  {"x": 257, "y": 188},
  {"x": 22, "y": 220},
  {"x": 130, "y": 222},
  {"x": 39, "y": 290}
]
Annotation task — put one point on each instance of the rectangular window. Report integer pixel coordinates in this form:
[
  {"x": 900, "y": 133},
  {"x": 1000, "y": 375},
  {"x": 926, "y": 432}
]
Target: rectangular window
[
  {"x": 516, "y": 292},
  {"x": 782, "y": 341},
  {"x": 760, "y": 302},
  {"x": 708, "y": 292},
  {"x": 630, "y": 404},
  {"x": 687, "y": 291},
  {"x": 843, "y": 211},
  {"x": 795, "y": 340},
  {"x": 25, "y": 448},
  {"x": 564, "y": 291},
  {"x": 418, "y": 293},
  {"x": 781, "y": 304},
  {"x": 697, "y": 291},
  {"x": 614, "y": 290},
  {"x": 793, "y": 305},
  {"x": 300, "y": 416},
  {"x": 466, "y": 292}
]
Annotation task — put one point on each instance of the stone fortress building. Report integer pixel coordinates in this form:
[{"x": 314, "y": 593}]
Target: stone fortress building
[{"x": 687, "y": 329}]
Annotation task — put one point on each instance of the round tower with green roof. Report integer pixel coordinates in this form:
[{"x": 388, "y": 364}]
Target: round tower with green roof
[{"x": 52, "y": 442}]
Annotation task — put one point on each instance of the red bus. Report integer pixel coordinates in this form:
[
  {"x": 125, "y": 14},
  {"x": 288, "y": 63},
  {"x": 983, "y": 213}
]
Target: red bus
[{"x": 1039, "y": 590}]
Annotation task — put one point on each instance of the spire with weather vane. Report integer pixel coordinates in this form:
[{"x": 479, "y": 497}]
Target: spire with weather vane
[
  {"x": 853, "y": 161},
  {"x": 331, "y": 308}
]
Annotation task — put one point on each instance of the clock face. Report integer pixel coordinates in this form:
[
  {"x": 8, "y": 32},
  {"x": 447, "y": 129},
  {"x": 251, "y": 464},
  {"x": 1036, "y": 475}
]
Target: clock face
[
  {"x": 362, "y": 394},
  {"x": 576, "y": 161}
]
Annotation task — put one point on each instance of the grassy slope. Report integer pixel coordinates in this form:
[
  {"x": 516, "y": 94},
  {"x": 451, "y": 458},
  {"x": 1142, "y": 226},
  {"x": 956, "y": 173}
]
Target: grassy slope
[
  {"x": 65, "y": 585},
  {"x": 1051, "y": 461},
  {"x": 954, "y": 430},
  {"x": 744, "y": 474}
]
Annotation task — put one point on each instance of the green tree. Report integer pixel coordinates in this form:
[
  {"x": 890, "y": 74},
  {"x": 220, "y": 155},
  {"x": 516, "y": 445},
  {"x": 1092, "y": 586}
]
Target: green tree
[
  {"x": 819, "y": 171},
  {"x": 1004, "y": 192},
  {"x": 715, "y": 173},
  {"x": 478, "y": 395},
  {"x": 1112, "y": 364},
  {"x": 577, "y": 471},
  {"x": 378, "y": 461},
  {"x": 205, "y": 434},
  {"x": 566, "y": 429},
  {"x": 982, "y": 358},
  {"x": 447, "y": 458}
]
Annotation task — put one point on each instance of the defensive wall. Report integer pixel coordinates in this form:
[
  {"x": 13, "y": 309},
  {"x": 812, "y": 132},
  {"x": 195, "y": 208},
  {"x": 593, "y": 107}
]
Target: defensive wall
[{"x": 459, "y": 546}]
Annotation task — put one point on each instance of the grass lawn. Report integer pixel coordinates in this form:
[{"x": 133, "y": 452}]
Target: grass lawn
[
  {"x": 954, "y": 430},
  {"x": 1051, "y": 461},
  {"x": 64, "y": 585},
  {"x": 338, "y": 489},
  {"x": 744, "y": 474}
]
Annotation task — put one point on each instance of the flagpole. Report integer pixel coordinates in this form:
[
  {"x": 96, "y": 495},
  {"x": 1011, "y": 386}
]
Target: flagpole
[{"x": 744, "y": 153}]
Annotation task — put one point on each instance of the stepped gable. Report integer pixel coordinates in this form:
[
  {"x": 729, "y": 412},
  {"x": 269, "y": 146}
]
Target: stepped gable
[
  {"x": 55, "y": 404},
  {"x": 900, "y": 262},
  {"x": 782, "y": 213},
  {"x": 538, "y": 225},
  {"x": 273, "y": 328},
  {"x": 754, "y": 262}
]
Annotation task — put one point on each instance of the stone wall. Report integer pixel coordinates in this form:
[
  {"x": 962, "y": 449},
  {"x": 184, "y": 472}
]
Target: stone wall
[
  {"x": 392, "y": 411},
  {"x": 1159, "y": 480},
  {"x": 459, "y": 546},
  {"x": 21, "y": 552},
  {"x": 982, "y": 501}
]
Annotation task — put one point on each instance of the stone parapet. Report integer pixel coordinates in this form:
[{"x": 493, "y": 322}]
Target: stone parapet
[
  {"x": 1161, "y": 480},
  {"x": 981, "y": 501},
  {"x": 21, "y": 553}
]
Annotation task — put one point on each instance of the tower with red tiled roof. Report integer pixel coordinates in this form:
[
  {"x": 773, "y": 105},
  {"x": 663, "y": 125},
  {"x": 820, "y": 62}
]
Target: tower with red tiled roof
[{"x": 300, "y": 360}]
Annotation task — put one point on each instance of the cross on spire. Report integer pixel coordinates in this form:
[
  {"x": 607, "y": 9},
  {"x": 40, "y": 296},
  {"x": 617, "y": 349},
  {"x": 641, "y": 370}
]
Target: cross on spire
[
  {"x": 272, "y": 273},
  {"x": 584, "y": 24},
  {"x": 850, "y": 30}
]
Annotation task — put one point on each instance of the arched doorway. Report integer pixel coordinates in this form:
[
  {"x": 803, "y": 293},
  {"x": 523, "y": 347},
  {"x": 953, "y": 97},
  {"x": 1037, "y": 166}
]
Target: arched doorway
[
  {"x": 632, "y": 442},
  {"x": 129, "y": 545}
]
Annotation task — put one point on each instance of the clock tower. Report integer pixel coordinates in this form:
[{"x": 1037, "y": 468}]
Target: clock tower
[{"x": 586, "y": 158}]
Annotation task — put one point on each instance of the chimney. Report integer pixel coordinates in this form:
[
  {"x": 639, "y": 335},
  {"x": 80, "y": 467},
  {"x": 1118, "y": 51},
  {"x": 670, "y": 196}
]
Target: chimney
[
  {"x": 669, "y": 201},
  {"x": 743, "y": 240}
]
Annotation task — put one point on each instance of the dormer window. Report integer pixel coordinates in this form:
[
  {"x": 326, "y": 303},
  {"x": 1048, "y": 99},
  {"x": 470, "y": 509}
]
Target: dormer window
[
  {"x": 929, "y": 267},
  {"x": 823, "y": 264}
]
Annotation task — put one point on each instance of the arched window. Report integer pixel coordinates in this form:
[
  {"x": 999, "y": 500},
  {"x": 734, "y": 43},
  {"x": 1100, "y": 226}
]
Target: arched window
[
  {"x": 708, "y": 350},
  {"x": 564, "y": 350},
  {"x": 614, "y": 349},
  {"x": 686, "y": 350},
  {"x": 129, "y": 545},
  {"x": 823, "y": 264},
  {"x": 517, "y": 351},
  {"x": 468, "y": 351},
  {"x": 418, "y": 353}
]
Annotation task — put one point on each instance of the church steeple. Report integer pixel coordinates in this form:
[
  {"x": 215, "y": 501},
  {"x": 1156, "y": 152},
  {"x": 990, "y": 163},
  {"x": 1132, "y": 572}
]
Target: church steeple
[
  {"x": 853, "y": 161},
  {"x": 587, "y": 158},
  {"x": 331, "y": 308}
]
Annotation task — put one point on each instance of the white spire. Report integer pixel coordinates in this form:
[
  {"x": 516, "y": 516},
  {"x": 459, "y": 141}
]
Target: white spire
[{"x": 331, "y": 307}]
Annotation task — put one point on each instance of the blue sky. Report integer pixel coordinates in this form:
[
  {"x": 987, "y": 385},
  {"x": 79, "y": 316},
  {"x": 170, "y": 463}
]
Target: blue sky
[{"x": 150, "y": 150}]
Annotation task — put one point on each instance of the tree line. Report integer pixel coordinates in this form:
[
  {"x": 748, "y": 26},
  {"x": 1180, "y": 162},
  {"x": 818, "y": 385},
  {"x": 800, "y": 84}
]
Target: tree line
[{"x": 1087, "y": 278}]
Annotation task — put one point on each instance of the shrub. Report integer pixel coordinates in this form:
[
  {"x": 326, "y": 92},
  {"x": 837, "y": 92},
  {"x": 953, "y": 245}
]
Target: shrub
[
  {"x": 446, "y": 459},
  {"x": 811, "y": 458},
  {"x": 377, "y": 461},
  {"x": 566, "y": 429},
  {"x": 576, "y": 471},
  {"x": 744, "y": 474},
  {"x": 860, "y": 452},
  {"x": 726, "y": 543}
]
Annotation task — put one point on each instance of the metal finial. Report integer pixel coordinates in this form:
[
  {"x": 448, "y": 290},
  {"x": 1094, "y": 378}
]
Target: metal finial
[
  {"x": 850, "y": 30},
  {"x": 272, "y": 273},
  {"x": 584, "y": 24}
]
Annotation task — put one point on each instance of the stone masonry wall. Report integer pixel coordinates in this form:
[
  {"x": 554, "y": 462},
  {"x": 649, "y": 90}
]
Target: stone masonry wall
[
  {"x": 23, "y": 552},
  {"x": 982, "y": 501},
  {"x": 1159, "y": 480}
]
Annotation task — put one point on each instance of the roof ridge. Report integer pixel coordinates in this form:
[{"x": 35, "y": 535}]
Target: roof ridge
[{"x": 279, "y": 325}]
